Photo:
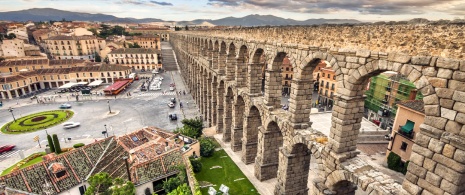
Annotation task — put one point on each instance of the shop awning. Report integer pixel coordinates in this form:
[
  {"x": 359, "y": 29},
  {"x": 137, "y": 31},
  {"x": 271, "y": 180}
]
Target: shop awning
[
  {"x": 408, "y": 127},
  {"x": 82, "y": 83},
  {"x": 67, "y": 85},
  {"x": 95, "y": 83}
]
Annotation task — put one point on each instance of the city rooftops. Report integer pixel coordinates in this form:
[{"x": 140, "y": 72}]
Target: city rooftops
[
  {"x": 24, "y": 62},
  {"x": 135, "y": 51},
  {"x": 416, "y": 105}
]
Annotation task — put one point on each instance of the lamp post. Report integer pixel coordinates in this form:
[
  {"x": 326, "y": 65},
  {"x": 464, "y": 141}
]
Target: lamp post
[
  {"x": 109, "y": 108},
  {"x": 11, "y": 110},
  {"x": 105, "y": 132},
  {"x": 125, "y": 158}
]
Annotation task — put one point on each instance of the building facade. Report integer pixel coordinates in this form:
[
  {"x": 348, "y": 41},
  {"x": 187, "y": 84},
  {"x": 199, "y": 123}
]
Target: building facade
[
  {"x": 327, "y": 86},
  {"x": 148, "y": 41},
  {"x": 74, "y": 47},
  {"x": 162, "y": 32},
  {"x": 136, "y": 58},
  {"x": 410, "y": 114}
]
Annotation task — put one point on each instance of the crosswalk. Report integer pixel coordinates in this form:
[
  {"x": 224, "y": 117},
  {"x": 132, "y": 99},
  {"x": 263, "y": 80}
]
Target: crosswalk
[
  {"x": 156, "y": 94},
  {"x": 8, "y": 154}
]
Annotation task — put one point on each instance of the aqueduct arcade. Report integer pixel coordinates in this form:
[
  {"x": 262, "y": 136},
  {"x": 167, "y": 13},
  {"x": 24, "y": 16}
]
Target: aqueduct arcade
[{"x": 235, "y": 77}]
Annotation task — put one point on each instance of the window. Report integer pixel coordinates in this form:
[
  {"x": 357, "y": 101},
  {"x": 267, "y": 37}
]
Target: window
[
  {"x": 77, "y": 75},
  {"x": 334, "y": 77},
  {"x": 322, "y": 74},
  {"x": 66, "y": 76},
  {"x": 84, "y": 74},
  {"x": 329, "y": 76},
  {"x": 332, "y": 86},
  {"x": 90, "y": 74},
  {"x": 51, "y": 77},
  {"x": 58, "y": 77},
  {"x": 403, "y": 146}
]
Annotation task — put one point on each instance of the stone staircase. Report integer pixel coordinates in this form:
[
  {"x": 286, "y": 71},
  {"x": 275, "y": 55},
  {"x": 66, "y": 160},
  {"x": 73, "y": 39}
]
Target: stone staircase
[
  {"x": 372, "y": 137},
  {"x": 169, "y": 62}
]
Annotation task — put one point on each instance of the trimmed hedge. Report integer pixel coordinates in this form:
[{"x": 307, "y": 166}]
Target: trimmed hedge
[
  {"x": 395, "y": 163},
  {"x": 56, "y": 143},
  {"x": 78, "y": 145}
]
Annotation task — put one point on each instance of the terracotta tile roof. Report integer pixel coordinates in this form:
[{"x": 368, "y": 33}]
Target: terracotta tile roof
[
  {"x": 63, "y": 37},
  {"x": 65, "y": 62},
  {"x": 416, "y": 105},
  {"x": 23, "y": 62}
]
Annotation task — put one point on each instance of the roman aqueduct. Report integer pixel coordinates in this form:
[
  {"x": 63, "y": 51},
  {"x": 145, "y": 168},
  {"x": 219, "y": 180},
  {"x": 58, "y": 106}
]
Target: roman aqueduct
[{"x": 224, "y": 71}]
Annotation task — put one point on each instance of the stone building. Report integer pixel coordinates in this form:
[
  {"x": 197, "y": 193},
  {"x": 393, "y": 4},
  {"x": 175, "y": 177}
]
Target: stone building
[
  {"x": 410, "y": 115},
  {"x": 74, "y": 47},
  {"x": 148, "y": 41},
  {"x": 152, "y": 155},
  {"x": 221, "y": 69},
  {"x": 136, "y": 58},
  {"x": 162, "y": 32},
  {"x": 287, "y": 73},
  {"x": 17, "y": 48},
  {"x": 22, "y": 77}
]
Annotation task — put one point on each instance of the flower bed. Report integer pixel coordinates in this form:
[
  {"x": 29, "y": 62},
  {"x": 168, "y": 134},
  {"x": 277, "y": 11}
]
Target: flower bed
[{"x": 37, "y": 121}]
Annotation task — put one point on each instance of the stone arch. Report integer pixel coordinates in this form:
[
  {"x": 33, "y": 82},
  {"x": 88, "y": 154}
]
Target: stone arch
[
  {"x": 270, "y": 139},
  {"x": 214, "y": 56},
  {"x": 341, "y": 182},
  {"x": 213, "y": 100},
  {"x": 220, "y": 107},
  {"x": 222, "y": 58},
  {"x": 227, "y": 120},
  {"x": 208, "y": 97},
  {"x": 238, "y": 123},
  {"x": 255, "y": 77},
  {"x": 273, "y": 84},
  {"x": 252, "y": 123},
  {"x": 294, "y": 165},
  {"x": 231, "y": 62},
  {"x": 241, "y": 67}
]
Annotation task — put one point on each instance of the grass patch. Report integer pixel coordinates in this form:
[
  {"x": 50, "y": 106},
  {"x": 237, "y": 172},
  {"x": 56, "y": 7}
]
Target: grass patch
[
  {"x": 27, "y": 164},
  {"x": 37, "y": 121},
  {"x": 229, "y": 174}
]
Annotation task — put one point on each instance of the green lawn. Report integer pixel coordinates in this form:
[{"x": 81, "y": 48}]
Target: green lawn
[
  {"x": 31, "y": 162},
  {"x": 225, "y": 175},
  {"x": 30, "y": 123}
]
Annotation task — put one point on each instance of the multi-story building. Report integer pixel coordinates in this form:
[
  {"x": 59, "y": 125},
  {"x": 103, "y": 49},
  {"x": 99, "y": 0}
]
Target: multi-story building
[
  {"x": 410, "y": 114},
  {"x": 327, "y": 86},
  {"x": 21, "y": 77},
  {"x": 74, "y": 47},
  {"x": 17, "y": 48},
  {"x": 161, "y": 31},
  {"x": 19, "y": 31},
  {"x": 287, "y": 73},
  {"x": 148, "y": 41},
  {"x": 382, "y": 94},
  {"x": 136, "y": 58}
]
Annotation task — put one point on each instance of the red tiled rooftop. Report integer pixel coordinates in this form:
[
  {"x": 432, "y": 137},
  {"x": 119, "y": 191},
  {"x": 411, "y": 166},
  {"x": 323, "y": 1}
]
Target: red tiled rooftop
[{"x": 116, "y": 85}]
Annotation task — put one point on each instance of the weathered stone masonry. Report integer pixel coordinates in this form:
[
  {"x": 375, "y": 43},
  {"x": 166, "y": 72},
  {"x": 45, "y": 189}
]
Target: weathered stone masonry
[{"x": 220, "y": 67}]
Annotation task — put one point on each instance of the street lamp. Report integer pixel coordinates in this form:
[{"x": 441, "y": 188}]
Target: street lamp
[
  {"x": 11, "y": 110},
  {"x": 109, "y": 108},
  {"x": 125, "y": 158}
]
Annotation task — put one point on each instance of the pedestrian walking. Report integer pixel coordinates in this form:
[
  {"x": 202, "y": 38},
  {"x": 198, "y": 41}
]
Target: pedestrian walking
[{"x": 184, "y": 92}]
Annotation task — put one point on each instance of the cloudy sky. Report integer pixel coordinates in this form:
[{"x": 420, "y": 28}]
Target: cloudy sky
[{"x": 364, "y": 10}]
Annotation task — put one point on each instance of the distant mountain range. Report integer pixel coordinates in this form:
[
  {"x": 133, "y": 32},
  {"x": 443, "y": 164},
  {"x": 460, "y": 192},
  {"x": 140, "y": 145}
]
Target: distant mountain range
[{"x": 46, "y": 14}]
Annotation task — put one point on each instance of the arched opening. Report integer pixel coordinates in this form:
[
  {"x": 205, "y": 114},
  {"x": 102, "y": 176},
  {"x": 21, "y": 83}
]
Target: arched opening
[
  {"x": 222, "y": 58},
  {"x": 344, "y": 187},
  {"x": 214, "y": 55},
  {"x": 238, "y": 121},
  {"x": 231, "y": 62},
  {"x": 241, "y": 67},
  {"x": 213, "y": 100},
  {"x": 273, "y": 84},
  {"x": 256, "y": 75},
  {"x": 227, "y": 120},
  {"x": 220, "y": 106},
  {"x": 294, "y": 164},
  {"x": 270, "y": 139},
  {"x": 250, "y": 137}
]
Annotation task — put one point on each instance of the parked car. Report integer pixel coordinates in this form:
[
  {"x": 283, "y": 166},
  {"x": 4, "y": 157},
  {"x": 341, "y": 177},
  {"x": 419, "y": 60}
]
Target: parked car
[
  {"x": 65, "y": 106},
  {"x": 69, "y": 125},
  {"x": 171, "y": 105},
  {"x": 173, "y": 117},
  {"x": 6, "y": 148},
  {"x": 173, "y": 100}
]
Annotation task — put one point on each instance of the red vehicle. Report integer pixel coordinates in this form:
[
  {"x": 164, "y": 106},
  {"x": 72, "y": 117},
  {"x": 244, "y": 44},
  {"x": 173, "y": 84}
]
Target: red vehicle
[{"x": 6, "y": 148}]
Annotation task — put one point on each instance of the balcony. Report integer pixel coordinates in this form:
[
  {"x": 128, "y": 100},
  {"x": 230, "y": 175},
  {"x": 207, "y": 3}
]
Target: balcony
[{"x": 410, "y": 135}]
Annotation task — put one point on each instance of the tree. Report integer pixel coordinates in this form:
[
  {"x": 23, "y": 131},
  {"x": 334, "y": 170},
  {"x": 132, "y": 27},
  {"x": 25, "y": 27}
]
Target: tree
[
  {"x": 11, "y": 36},
  {"x": 207, "y": 147},
  {"x": 171, "y": 184},
  {"x": 196, "y": 164},
  {"x": 181, "y": 190},
  {"x": 50, "y": 143},
  {"x": 102, "y": 183},
  {"x": 136, "y": 45},
  {"x": 97, "y": 57},
  {"x": 187, "y": 27},
  {"x": 192, "y": 128},
  {"x": 56, "y": 144}
]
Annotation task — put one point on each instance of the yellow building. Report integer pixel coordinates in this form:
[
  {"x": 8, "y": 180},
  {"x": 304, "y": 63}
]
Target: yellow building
[
  {"x": 22, "y": 77},
  {"x": 410, "y": 114},
  {"x": 327, "y": 86},
  {"x": 74, "y": 47},
  {"x": 136, "y": 58},
  {"x": 148, "y": 41}
]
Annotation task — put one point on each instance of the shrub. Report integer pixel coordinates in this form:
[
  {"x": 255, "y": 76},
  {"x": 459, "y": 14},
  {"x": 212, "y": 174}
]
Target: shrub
[
  {"x": 207, "y": 147},
  {"x": 78, "y": 145},
  {"x": 404, "y": 169},
  {"x": 171, "y": 184},
  {"x": 395, "y": 163},
  {"x": 56, "y": 143},
  {"x": 196, "y": 165},
  {"x": 50, "y": 143}
]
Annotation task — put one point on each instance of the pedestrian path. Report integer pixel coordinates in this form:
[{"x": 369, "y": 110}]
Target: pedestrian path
[{"x": 8, "y": 154}]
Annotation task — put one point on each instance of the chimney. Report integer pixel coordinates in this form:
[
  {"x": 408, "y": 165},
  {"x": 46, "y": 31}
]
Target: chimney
[{"x": 413, "y": 94}]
